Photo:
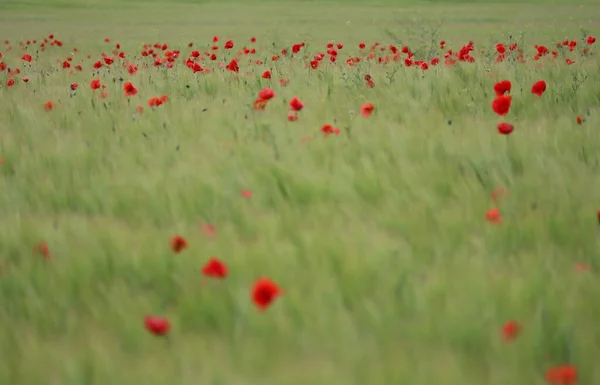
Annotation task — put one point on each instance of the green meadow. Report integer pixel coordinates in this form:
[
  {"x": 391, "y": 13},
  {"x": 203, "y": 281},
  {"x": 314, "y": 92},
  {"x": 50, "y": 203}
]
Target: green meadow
[{"x": 391, "y": 271}]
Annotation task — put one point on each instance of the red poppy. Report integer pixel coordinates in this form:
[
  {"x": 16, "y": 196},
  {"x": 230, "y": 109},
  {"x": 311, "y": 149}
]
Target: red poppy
[
  {"x": 178, "y": 243},
  {"x": 502, "y": 87},
  {"x": 562, "y": 375},
  {"x": 292, "y": 117},
  {"x": 197, "y": 68},
  {"x": 493, "y": 216},
  {"x": 26, "y": 57},
  {"x": 209, "y": 229},
  {"x": 260, "y": 104},
  {"x": 296, "y": 104},
  {"x": 590, "y": 40},
  {"x": 158, "y": 326},
  {"x": 328, "y": 129},
  {"x": 73, "y": 86},
  {"x": 214, "y": 268},
  {"x": 511, "y": 330},
  {"x": 95, "y": 84},
  {"x": 247, "y": 194},
  {"x": 129, "y": 89},
  {"x": 266, "y": 75},
  {"x": 229, "y": 44},
  {"x": 155, "y": 102},
  {"x": 501, "y": 104},
  {"x": 538, "y": 88},
  {"x": 48, "y": 106},
  {"x": 367, "y": 109},
  {"x": 266, "y": 94},
  {"x": 579, "y": 119},
  {"x": 505, "y": 128},
  {"x": 264, "y": 292},
  {"x": 497, "y": 193},
  {"x": 43, "y": 249},
  {"x": 233, "y": 66}
]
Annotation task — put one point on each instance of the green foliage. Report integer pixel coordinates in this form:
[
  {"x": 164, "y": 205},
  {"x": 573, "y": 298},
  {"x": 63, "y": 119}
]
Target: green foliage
[{"x": 391, "y": 275}]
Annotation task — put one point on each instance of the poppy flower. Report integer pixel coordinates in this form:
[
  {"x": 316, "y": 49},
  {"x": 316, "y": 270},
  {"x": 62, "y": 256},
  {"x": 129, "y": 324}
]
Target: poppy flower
[
  {"x": 505, "y": 128},
  {"x": 158, "y": 326},
  {"x": 95, "y": 84},
  {"x": 493, "y": 216},
  {"x": 209, "y": 229},
  {"x": 73, "y": 86},
  {"x": 229, "y": 44},
  {"x": 129, "y": 89},
  {"x": 292, "y": 117},
  {"x": 178, "y": 243},
  {"x": 296, "y": 104},
  {"x": 259, "y": 104},
  {"x": 43, "y": 249},
  {"x": 538, "y": 88},
  {"x": 501, "y": 104},
  {"x": 48, "y": 106},
  {"x": 510, "y": 330},
  {"x": 562, "y": 375},
  {"x": 264, "y": 292},
  {"x": 329, "y": 129},
  {"x": 214, "y": 268},
  {"x": 579, "y": 119},
  {"x": 247, "y": 194},
  {"x": 497, "y": 193},
  {"x": 266, "y": 75},
  {"x": 233, "y": 66},
  {"x": 367, "y": 109},
  {"x": 157, "y": 101},
  {"x": 27, "y": 57},
  {"x": 266, "y": 94},
  {"x": 197, "y": 68},
  {"x": 502, "y": 87},
  {"x": 590, "y": 40}
]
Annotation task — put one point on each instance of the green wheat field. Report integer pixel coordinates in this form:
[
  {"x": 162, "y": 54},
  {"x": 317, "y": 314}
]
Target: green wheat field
[{"x": 413, "y": 245}]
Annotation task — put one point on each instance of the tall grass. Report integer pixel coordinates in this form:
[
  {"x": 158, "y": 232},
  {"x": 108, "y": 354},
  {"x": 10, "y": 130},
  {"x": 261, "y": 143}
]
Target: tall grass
[{"x": 378, "y": 236}]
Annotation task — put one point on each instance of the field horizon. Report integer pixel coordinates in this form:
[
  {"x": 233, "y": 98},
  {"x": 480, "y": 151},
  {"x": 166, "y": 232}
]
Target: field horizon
[{"x": 330, "y": 193}]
